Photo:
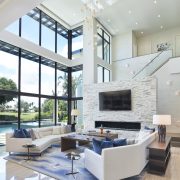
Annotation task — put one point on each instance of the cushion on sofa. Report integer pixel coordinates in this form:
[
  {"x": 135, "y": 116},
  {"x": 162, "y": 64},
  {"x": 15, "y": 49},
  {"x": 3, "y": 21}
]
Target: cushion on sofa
[
  {"x": 117, "y": 142},
  {"x": 19, "y": 133},
  {"x": 32, "y": 134},
  {"x": 56, "y": 130},
  {"x": 36, "y": 133},
  {"x": 148, "y": 128},
  {"x": 27, "y": 133},
  {"x": 143, "y": 134},
  {"x": 68, "y": 128},
  {"x": 63, "y": 129},
  {"x": 130, "y": 141},
  {"x": 98, "y": 145},
  {"x": 44, "y": 133}
]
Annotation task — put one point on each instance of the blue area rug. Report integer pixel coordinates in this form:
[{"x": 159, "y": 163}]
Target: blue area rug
[{"x": 54, "y": 163}]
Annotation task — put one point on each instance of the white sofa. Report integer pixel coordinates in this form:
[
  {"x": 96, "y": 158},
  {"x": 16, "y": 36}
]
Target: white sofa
[
  {"x": 45, "y": 137},
  {"x": 119, "y": 162}
]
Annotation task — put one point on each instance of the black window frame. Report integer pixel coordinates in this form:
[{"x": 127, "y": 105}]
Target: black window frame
[{"x": 103, "y": 42}]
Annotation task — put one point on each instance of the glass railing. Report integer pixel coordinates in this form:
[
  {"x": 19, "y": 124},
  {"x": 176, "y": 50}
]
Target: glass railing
[{"x": 150, "y": 68}]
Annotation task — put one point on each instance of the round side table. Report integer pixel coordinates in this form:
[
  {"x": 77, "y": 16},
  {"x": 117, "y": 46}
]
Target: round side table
[
  {"x": 29, "y": 146},
  {"x": 72, "y": 156}
]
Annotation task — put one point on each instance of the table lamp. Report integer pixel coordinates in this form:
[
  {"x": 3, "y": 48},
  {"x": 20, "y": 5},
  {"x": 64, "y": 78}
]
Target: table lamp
[
  {"x": 162, "y": 121},
  {"x": 75, "y": 113}
]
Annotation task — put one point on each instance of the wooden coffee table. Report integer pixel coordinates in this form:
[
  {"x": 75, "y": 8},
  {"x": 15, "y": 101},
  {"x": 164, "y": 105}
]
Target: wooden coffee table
[{"x": 69, "y": 142}]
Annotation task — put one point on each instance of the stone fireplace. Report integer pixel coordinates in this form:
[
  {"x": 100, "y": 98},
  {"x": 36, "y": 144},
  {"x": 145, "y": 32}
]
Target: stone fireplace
[{"x": 143, "y": 95}]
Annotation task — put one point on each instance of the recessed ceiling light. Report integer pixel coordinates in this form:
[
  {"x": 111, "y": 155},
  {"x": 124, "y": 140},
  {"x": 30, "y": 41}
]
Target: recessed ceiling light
[
  {"x": 136, "y": 23},
  {"x": 155, "y": 2},
  {"x": 130, "y": 12},
  {"x": 158, "y": 15},
  {"x": 161, "y": 27},
  {"x": 142, "y": 32}
]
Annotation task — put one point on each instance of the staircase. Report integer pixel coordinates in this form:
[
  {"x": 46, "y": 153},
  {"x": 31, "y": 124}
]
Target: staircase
[{"x": 156, "y": 63}]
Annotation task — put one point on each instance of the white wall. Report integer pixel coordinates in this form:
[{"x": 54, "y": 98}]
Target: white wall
[
  {"x": 148, "y": 44},
  {"x": 11, "y": 10},
  {"x": 168, "y": 84},
  {"x": 122, "y": 47},
  {"x": 168, "y": 94},
  {"x": 126, "y": 69},
  {"x": 134, "y": 45}
]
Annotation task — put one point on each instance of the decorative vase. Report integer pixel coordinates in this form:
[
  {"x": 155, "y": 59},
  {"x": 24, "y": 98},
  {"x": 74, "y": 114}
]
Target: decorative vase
[{"x": 101, "y": 129}]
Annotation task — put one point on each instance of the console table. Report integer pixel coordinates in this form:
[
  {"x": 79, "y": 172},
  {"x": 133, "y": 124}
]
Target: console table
[{"x": 159, "y": 154}]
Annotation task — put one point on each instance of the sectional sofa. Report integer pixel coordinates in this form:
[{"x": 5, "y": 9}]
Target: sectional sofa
[
  {"x": 42, "y": 137},
  {"x": 119, "y": 162}
]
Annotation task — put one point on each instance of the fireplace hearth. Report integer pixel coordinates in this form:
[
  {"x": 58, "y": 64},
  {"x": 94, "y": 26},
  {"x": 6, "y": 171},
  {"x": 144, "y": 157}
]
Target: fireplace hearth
[{"x": 119, "y": 125}]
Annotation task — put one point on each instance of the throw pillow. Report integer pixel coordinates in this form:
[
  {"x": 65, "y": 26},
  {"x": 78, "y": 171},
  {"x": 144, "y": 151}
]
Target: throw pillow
[
  {"x": 63, "y": 129},
  {"x": 36, "y": 133},
  {"x": 32, "y": 134},
  {"x": 56, "y": 130},
  {"x": 26, "y": 133},
  {"x": 19, "y": 133},
  {"x": 117, "y": 142},
  {"x": 130, "y": 141},
  {"x": 148, "y": 128},
  {"x": 98, "y": 145},
  {"x": 143, "y": 134},
  {"x": 68, "y": 128}
]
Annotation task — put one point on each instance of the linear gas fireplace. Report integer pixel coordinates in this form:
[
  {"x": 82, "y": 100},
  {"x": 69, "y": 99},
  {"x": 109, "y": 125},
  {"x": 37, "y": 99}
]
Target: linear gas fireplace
[{"x": 119, "y": 125}]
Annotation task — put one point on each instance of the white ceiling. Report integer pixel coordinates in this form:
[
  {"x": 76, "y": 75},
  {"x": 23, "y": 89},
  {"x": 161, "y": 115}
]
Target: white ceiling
[{"x": 120, "y": 16}]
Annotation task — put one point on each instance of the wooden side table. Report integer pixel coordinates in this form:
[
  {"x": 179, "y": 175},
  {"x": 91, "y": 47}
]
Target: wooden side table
[{"x": 159, "y": 154}]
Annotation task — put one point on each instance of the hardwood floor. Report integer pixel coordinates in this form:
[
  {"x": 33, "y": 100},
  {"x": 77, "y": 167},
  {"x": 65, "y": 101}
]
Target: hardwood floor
[{"x": 12, "y": 171}]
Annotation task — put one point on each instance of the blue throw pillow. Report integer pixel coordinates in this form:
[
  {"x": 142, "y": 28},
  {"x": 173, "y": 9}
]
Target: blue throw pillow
[
  {"x": 98, "y": 145},
  {"x": 19, "y": 133},
  {"x": 148, "y": 128},
  {"x": 117, "y": 142},
  {"x": 27, "y": 133}
]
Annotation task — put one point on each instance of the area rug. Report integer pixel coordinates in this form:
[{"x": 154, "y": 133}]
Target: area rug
[{"x": 55, "y": 164}]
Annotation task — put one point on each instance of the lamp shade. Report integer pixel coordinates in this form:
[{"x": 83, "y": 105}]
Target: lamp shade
[
  {"x": 75, "y": 112},
  {"x": 162, "y": 119}
]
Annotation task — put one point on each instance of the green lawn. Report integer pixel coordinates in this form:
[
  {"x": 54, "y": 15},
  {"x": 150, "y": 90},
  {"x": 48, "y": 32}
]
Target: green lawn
[{"x": 24, "y": 116}]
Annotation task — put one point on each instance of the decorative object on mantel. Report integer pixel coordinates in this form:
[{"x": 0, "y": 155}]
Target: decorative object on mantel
[
  {"x": 108, "y": 131},
  {"x": 162, "y": 121},
  {"x": 101, "y": 129}
]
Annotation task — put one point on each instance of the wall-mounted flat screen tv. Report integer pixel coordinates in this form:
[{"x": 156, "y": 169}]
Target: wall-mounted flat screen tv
[{"x": 115, "y": 100}]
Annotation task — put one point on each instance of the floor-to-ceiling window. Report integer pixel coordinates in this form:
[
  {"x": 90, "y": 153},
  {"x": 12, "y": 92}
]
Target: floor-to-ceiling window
[
  {"x": 77, "y": 42},
  {"x": 77, "y": 94},
  {"x": 103, "y": 74},
  {"x": 36, "y": 91},
  {"x": 103, "y": 45},
  {"x": 32, "y": 19}
]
